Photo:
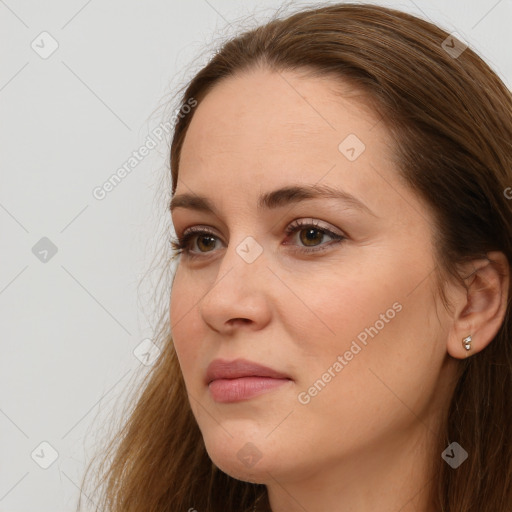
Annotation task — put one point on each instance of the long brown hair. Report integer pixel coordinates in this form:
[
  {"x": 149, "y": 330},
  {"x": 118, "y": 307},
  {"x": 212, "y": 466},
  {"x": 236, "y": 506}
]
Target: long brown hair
[{"x": 451, "y": 120}]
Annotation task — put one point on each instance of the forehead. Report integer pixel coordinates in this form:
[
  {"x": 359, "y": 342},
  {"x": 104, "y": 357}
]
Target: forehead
[
  {"x": 271, "y": 104},
  {"x": 266, "y": 125}
]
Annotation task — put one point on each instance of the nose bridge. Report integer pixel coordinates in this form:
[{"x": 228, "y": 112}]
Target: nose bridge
[
  {"x": 245, "y": 258},
  {"x": 239, "y": 290}
]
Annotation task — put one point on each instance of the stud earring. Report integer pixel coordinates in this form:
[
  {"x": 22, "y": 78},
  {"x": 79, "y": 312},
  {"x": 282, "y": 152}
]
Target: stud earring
[{"x": 467, "y": 342}]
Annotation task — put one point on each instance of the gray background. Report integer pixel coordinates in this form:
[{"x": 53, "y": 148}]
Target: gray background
[{"x": 71, "y": 320}]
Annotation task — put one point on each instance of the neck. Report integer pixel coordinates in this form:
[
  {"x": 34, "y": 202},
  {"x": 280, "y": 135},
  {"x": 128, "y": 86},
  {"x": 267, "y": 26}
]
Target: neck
[{"x": 392, "y": 475}]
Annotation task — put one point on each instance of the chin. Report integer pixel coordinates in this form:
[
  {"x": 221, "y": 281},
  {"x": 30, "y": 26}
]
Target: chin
[{"x": 245, "y": 457}]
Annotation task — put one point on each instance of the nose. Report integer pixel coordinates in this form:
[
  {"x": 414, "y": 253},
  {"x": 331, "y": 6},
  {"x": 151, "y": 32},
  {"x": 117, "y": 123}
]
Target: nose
[{"x": 239, "y": 296}]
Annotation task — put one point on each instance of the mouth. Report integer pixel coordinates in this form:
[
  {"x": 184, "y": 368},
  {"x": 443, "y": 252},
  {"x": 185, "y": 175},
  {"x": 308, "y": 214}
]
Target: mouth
[{"x": 233, "y": 381}]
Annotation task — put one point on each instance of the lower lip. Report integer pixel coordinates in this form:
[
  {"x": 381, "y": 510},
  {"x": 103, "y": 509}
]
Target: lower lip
[{"x": 243, "y": 388}]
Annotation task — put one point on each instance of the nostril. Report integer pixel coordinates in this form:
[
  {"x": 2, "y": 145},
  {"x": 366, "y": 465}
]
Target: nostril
[{"x": 239, "y": 320}]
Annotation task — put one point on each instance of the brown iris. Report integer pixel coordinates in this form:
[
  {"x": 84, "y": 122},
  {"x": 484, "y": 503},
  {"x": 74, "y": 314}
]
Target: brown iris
[
  {"x": 309, "y": 237},
  {"x": 206, "y": 237}
]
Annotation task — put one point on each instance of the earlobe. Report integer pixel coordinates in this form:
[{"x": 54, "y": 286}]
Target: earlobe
[{"x": 478, "y": 318}]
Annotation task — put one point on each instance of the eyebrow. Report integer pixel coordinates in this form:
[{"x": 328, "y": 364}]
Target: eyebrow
[{"x": 275, "y": 199}]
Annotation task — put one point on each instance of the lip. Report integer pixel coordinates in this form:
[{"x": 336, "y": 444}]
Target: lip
[
  {"x": 232, "y": 381},
  {"x": 223, "y": 369}
]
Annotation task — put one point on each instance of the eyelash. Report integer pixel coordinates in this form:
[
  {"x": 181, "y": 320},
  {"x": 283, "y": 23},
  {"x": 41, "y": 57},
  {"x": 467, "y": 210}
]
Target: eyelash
[{"x": 181, "y": 244}]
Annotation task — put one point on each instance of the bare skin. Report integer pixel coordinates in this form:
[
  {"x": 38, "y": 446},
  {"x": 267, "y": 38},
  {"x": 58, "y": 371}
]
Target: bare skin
[{"x": 363, "y": 441}]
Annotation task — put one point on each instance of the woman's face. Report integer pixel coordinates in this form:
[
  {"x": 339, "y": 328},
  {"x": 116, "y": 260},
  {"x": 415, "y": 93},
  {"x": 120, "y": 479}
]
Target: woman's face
[{"x": 353, "y": 324}]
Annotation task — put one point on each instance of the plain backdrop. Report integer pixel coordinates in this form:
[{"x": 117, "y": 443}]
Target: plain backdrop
[{"x": 83, "y": 84}]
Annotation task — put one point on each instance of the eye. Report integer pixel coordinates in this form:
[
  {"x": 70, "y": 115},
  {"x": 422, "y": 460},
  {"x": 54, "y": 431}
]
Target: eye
[
  {"x": 182, "y": 244},
  {"x": 310, "y": 232}
]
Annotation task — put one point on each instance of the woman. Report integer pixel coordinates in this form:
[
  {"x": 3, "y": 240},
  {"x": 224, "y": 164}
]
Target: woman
[{"x": 339, "y": 334}]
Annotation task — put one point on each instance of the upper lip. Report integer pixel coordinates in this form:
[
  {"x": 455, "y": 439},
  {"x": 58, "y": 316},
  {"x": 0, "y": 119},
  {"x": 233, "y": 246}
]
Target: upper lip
[{"x": 223, "y": 369}]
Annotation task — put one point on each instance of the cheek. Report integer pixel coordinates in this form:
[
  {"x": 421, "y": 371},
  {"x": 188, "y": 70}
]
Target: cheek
[
  {"x": 185, "y": 329},
  {"x": 341, "y": 308},
  {"x": 383, "y": 335}
]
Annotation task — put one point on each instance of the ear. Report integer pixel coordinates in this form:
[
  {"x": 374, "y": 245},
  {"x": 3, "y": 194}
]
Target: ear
[{"x": 481, "y": 313}]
